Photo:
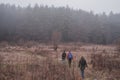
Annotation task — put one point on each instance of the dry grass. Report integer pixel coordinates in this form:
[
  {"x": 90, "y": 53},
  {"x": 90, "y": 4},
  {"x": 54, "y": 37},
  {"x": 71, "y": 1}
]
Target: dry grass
[{"x": 41, "y": 62}]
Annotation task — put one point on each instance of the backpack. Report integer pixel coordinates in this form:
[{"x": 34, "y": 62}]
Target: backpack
[
  {"x": 83, "y": 62},
  {"x": 70, "y": 56},
  {"x": 63, "y": 55}
]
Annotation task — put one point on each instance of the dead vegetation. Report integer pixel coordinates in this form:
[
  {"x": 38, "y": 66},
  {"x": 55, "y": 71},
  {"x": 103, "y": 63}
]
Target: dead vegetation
[
  {"x": 107, "y": 62},
  {"x": 41, "y": 62},
  {"x": 45, "y": 70}
]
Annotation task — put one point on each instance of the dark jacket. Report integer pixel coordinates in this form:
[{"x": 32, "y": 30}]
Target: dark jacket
[
  {"x": 82, "y": 63},
  {"x": 63, "y": 56}
]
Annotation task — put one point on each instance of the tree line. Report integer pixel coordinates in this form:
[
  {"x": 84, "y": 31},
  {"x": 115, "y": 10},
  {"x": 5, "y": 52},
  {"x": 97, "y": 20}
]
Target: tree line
[{"x": 38, "y": 23}]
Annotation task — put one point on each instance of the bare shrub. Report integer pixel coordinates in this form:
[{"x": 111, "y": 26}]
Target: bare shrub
[
  {"x": 117, "y": 43},
  {"x": 3, "y": 44},
  {"x": 30, "y": 43},
  {"x": 46, "y": 70},
  {"x": 106, "y": 62}
]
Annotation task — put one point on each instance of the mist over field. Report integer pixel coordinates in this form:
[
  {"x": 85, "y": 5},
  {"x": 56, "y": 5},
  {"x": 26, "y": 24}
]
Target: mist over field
[
  {"x": 40, "y": 22},
  {"x": 34, "y": 37}
]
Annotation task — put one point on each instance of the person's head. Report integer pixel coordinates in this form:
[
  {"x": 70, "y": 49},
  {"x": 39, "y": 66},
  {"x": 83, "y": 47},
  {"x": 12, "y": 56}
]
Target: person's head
[
  {"x": 82, "y": 57},
  {"x": 64, "y": 51},
  {"x": 69, "y": 51}
]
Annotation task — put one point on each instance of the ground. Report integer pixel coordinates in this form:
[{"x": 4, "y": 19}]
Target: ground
[{"x": 41, "y": 62}]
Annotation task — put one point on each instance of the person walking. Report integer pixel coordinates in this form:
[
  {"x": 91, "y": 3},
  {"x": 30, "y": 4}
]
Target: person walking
[
  {"x": 63, "y": 56},
  {"x": 70, "y": 57},
  {"x": 82, "y": 65}
]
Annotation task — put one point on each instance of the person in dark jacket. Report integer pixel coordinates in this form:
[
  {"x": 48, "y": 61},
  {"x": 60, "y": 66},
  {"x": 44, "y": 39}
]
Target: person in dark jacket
[
  {"x": 63, "y": 55},
  {"x": 82, "y": 65}
]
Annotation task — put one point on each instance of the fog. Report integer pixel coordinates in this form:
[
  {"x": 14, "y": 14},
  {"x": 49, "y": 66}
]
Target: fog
[
  {"x": 40, "y": 22},
  {"x": 37, "y": 36},
  {"x": 97, "y": 6}
]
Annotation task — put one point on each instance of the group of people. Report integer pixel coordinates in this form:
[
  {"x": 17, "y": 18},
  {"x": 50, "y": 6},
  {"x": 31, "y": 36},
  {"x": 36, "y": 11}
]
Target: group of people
[{"x": 82, "y": 64}]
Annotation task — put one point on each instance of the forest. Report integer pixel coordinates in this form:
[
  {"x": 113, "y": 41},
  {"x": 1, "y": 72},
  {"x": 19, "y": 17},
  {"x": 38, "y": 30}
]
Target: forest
[
  {"x": 38, "y": 23},
  {"x": 34, "y": 38}
]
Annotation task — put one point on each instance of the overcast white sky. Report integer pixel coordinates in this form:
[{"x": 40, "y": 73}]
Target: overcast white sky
[{"x": 97, "y": 6}]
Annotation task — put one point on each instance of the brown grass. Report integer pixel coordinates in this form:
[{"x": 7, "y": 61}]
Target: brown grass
[{"x": 41, "y": 62}]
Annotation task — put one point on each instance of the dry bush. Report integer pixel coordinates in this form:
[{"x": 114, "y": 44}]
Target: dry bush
[
  {"x": 43, "y": 53},
  {"x": 107, "y": 62},
  {"x": 117, "y": 44},
  {"x": 30, "y": 44},
  {"x": 3, "y": 44},
  {"x": 47, "y": 69},
  {"x": 27, "y": 44},
  {"x": 1, "y": 60}
]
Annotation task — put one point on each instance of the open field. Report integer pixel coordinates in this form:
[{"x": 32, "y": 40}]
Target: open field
[{"x": 41, "y": 62}]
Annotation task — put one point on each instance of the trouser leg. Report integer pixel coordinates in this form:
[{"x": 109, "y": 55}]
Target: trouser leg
[
  {"x": 82, "y": 74},
  {"x": 69, "y": 62}
]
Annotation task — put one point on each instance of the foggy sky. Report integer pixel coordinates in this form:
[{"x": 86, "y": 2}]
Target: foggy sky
[{"x": 97, "y": 6}]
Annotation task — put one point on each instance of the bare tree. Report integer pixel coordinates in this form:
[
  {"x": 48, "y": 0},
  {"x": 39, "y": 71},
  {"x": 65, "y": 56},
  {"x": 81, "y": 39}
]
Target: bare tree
[{"x": 56, "y": 37}]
